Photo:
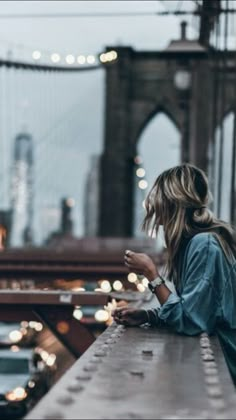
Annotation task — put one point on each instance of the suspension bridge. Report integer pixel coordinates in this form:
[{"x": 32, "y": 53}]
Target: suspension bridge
[{"x": 48, "y": 275}]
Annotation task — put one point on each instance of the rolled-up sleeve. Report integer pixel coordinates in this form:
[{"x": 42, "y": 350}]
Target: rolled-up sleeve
[{"x": 195, "y": 309}]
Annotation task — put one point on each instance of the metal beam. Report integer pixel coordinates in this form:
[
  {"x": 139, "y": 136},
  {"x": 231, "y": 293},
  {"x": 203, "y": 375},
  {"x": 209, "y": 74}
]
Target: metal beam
[
  {"x": 73, "y": 334},
  {"x": 143, "y": 373},
  {"x": 52, "y": 297}
]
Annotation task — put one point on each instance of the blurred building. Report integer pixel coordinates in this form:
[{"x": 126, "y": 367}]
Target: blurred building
[
  {"x": 66, "y": 217},
  {"x": 91, "y": 198},
  {"x": 64, "y": 231},
  {"x": 22, "y": 191},
  {"x": 5, "y": 226}
]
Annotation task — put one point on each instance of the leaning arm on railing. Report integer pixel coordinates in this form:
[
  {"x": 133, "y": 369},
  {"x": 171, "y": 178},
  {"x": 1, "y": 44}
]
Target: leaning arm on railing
[{"x": 196, "y": 308}]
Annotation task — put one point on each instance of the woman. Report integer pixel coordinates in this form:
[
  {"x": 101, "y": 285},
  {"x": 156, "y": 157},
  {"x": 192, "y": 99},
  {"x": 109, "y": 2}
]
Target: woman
[{"x": 201, "y": 262}]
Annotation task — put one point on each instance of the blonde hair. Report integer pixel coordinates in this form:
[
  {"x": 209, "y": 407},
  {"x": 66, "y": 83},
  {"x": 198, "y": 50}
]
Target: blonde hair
[{"x": 178, "y": 200}]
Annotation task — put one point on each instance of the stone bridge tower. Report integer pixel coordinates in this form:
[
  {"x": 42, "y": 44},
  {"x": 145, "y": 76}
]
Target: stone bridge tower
[{"x": 179, "y": 81}]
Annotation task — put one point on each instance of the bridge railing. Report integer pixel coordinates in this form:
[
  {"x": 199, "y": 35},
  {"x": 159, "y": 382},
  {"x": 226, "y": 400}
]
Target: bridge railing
[{"x": 143, "y": 373}]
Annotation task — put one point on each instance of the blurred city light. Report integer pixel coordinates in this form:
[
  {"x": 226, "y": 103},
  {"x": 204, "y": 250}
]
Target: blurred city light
[
  {"x": 105, "y": 286},
  {"x": 90, "y": 59},
  {"x": 81, "y": 59},
  {"x": 117, "y": 285},
  {"x": 17, "y": 394},
  {"x": 145, "y": 282},
  {"x": 143, "y": 184},
  {"x": 15, "y": 336},
  {"x": 141, "y": 287},
  {"x": 55, "y": 58},
  {"x": 78, "y": 314},
  {"x": 101, "y": 315},
  {"x": 132, "y": 277},
  {"x": 70, "y": 59},
  {"x": 140, "y": 172},
  {"x": 36, "y": 55}
]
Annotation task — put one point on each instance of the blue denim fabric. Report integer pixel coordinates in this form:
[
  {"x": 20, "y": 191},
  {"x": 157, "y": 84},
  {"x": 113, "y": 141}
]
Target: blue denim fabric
[{"x": 206, "y": 301}]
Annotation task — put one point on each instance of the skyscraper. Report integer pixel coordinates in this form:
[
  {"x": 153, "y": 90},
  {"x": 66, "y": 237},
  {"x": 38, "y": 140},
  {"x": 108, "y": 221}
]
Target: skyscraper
[
  {"x": 22, "y": 191},
  {"x": 91, "y": 198}
]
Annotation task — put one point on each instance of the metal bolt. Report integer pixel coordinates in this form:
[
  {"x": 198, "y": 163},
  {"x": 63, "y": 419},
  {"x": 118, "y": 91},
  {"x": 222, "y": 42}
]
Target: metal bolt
[
  {"x": 114, "y": 336},
  {"x": 208, "y": 357},
  {"x": 214, "y": 391},
  {"x": 100, "y": 353},
  {"x": 212, "y": 380},
  {"x": 206, "y": 350},
  {"x": 109, "y": 341},
  {"x": 147, "y": 352},
  {"x": 137, "y": 373},
  {"x": 90, "y": 368},
  {"x": 105, "y": 347},
  {"x": 65, "y": 399},
  {"x": 218, "y": 404},
  {"x": 205, "y": 342},
  {"x": 121, "y": 328},
  {"x": 83, "y": 377},
  {"x": 75, "y": 387},
  {"x": 95, "y": 359},
  {"x": 210, "y": 364},
  {"x": 210, "y": 370}
]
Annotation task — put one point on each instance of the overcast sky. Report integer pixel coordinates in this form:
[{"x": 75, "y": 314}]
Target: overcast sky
[{"x": 64, "y": 113}]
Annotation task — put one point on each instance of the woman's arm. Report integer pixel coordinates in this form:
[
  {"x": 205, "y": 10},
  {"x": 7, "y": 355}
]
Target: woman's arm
[
  {"x": 196, "y": 308},
  {"x": 143, "y": 264}
]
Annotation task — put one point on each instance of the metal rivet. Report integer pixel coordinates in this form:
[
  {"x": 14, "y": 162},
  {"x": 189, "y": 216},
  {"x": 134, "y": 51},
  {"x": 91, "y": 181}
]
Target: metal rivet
[
  {"x": 90, "y": 368},
  {"x": 65, "y": 399},
  {"x": 83, "y": 377},
  {"x": 75, "y": 387},
  {"x": 147, "y": 352},
  {"x": 205, "y": 342},
  {"x": 214, "y": 391},
  {"x": 209, "y": 364},
  {"x": 105, "y": 347},
  {"x": 218, "y": 404},
  {"x": 212, "y": 380},
  {"x": 136, "y": 373},
  {"x": 100, "y": 353},
  {"x": 208, "y": 357},
  {"x": 95, "y": 359},
  {"x": 109, "y": 341},
  {"x": 206, "y": 350},
  {"x": 120, "y": 327},
  {"x": 210, "y": 370}
]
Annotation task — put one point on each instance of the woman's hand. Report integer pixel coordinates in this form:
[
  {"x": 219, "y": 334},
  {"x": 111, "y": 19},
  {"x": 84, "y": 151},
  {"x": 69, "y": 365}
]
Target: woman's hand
[
  {"x": 141, "y": 264},
  {"x": 130, "y": 316}
]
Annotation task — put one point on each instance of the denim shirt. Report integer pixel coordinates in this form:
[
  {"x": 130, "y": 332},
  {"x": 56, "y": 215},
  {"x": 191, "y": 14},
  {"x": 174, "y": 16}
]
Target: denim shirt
[{"x": 206, "y": 301}]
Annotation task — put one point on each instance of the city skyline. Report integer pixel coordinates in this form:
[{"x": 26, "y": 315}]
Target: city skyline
[{"x": 65, "y": 113}]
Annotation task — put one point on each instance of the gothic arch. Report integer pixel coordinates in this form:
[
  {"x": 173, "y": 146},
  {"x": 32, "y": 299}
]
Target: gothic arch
[{"x": 158, "y": 109}]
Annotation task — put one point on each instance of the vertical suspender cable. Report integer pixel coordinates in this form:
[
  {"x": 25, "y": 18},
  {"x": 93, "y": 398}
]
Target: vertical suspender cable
[
  {"x": 212, "y": 174},
  {"x": 223, "y": 69},
  {"x": 233, "y": 166}
]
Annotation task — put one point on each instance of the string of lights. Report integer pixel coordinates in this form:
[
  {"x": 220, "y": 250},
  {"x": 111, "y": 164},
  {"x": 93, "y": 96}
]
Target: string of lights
[
  {"x": 70, "y": 62},
  {"x": 55, "y": 60}
]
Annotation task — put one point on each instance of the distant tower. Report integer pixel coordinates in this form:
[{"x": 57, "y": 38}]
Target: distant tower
[
  {"x": 91, "y": 199},
  {"x": 66, "y": 218},
  {"x": 22, "y": 191}
]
